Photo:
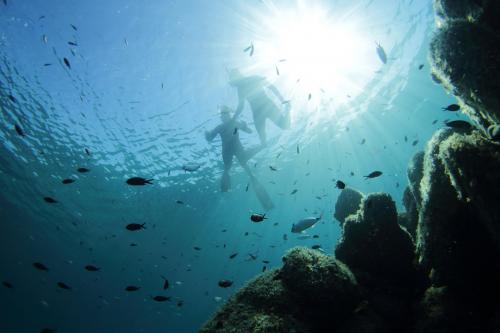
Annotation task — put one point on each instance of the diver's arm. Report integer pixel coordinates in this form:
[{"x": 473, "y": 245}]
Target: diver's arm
[
  {"x": 244, "y": 127},
  {"x": 241, "y": 105},
  {"x": 210, "y": 135}
]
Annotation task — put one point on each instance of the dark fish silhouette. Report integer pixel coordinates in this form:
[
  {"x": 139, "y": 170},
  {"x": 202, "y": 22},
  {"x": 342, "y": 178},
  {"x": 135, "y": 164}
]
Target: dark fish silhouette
[
  {"x": 225, "y": 283},
  {"x": 257, "y": 217},
  {"x": 232, "y": 256},
  {"x": 161, "y": 298},
  {"x": 197, "y": 248},
  {"x": 180, "y": 303},
  {"x": 50, "y": 200},
  {"x": 414, "y": 143},
  {"x": 92, "y": 268},
  {"x": 272, "y": 168},
  {"x": 277, "y": 71},
  {"x": 63, "y": 285},
  {"x": 12, "y": 99},
  {"x": 19, "y": 130},
  {"x": 249, "y": 48},
  {"x": 452, "y": 107},
  {"x": 458, "y": 124},
  {"x": 7, "y": 284},
  {"x": 66, "y": 62},
  {"x": 135, "y": 226},
  {"x": 87, "y": 151},
  {"x": 362, "y": 142},
  {"x": 381, "y": 53},
  {"x": 68, "y": 181},
  {"x": 316, "y": 247},
  {"x": 298, "y": 150},
  {"x": 309, "y": 97},
  {"x": 47, "y": 64},
  {"x": 74, "y": 28},
  {"x": 48, "y": 330},
  {"x": 139, "y": 181},
  {"x": 340, "y": 184},
  {"x": 420, "y": 66},
  {"x": 82, "y": 170},
  {"x": 246, "y": 188},
  {"x": 40, "y": 266},
  {"x": 72, "y": 43},
  {"x": 374, "y": 174},
  {"x": 132, "y": 288},
  {"x": 293, "y": 192},
  {"x": 166, "y": 284},
  {"x": 264, "y": 268},
  {"x": 180, "y": 202},
  {"x": 235, "y": 130}
]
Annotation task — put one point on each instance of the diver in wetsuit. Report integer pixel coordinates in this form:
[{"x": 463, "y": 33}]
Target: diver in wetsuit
[
  {"x": 231, "y": 144},
  {"x": 253, "y": 89}
]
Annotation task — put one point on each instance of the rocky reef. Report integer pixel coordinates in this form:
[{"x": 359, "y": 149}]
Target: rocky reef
[{"x": 434, "y": 268}]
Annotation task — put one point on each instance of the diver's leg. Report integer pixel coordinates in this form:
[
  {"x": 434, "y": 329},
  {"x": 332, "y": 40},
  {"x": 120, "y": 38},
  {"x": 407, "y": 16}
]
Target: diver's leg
[
  {"x": 225, "y": 182},
  {"x": 280, "y": 119},
  {"x": 260, "y": 125}
]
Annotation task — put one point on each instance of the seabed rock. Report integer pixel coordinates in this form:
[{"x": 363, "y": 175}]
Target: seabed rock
[{"x": 347, "y": 204}]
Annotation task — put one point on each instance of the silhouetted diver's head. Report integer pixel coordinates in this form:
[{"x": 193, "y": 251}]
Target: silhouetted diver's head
[
  {"x": 225, "y": 113},
  {"x": 234, "y": 76}
]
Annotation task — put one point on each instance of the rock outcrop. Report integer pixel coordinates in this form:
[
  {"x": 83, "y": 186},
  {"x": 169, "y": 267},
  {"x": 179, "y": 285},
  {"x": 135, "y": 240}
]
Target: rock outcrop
[{"x": 347, "y": 204}]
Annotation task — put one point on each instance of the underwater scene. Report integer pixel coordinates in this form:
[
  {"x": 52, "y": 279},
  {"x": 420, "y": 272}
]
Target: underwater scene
[{"x": 249, "y": 166}]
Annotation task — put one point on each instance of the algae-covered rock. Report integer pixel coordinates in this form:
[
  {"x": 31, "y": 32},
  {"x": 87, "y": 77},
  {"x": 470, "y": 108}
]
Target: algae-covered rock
[
  {"x": 412, "y": 196},
  {"x": 318, "y": 281},
  {"x": 347, "y": 204}
]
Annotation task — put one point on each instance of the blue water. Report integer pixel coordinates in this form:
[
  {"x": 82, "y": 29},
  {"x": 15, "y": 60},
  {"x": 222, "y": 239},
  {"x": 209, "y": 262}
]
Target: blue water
[{"x": 145, "y": 81}]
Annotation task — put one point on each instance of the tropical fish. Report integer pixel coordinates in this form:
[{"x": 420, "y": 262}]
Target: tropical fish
[
  {"x": 132, "y": 288},
  {"x": 452, "y": 107},
  {"x": 135, "y": 226},
  {"x": 82, "y": 170},
  {"x": 304, "y": 224},
  {"x": 50, "y": 200},
  {"x": 68, "y": 181},
  {"x": 420, "y": 66},
  {"x": 40, "y": 266},
  {"x": 66, "y": 62},
  {"x": 225, "y": 283},
  {"x": 257, "y": 217},
  {"x": 138, "y": 181},
  {"x": 458, "y": 124},
  {"x": 381, "y": 53},
  {"x": 92, "y": 268},
  {"x": 161, "y": 298},
  {"x": 374, "y": 174},
  {"x": 19, "y": 130},
  {"x": 340, "y": 184}
]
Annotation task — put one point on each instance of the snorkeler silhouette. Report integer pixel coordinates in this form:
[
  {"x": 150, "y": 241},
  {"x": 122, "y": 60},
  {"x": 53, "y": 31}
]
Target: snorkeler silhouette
[
  {"x": 253, "y": 89},
  {"x": 231, "y": 147}
]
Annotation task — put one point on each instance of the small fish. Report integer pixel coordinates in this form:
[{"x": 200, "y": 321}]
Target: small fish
[
  {"x": 232, "y": 256},
  {"x": 257, "y": 217},
  {"x": 72, "y": 43},
  {"x": 451, "y": 107},
  {"x": 406, "y": 138},
  {"x": 285, "y": 237},
  {"x": 315, "y": 236},
  {"x": 340, "y": 184},
  {"x": 273, "y": 168},
  {"x": 40, "y": 266},
  {"x": 66, "y": 62},
  {"x": 12, "y": 98},
  {"x": 133, "y": 244},
  {"x": 41, "y": 17},
  {"x": 135, "y": 226},
  {"x": 246, "y": 188},
  {"x": 19, "y": 130},
  {"x": 45, "y": 39},
  {"x": 180, "y": 202},
  {"x": 277, "y": 71},
  {"x": 298, "y": 150},
  {"x": 374, "y": 174},
  {"x": 166, "y": 284},
  {"x": 67, "y": 181},
  {"x": 161, "y": 298},
  {"x": 305, "y": 224},
  {"x": 74, "y": 28},
  {"x": 125, "y": 41},
  {"x": 458, "y": 124},
  {"x": 235, "y": 131},
  {"x": 82, "y": 170},
  {"x": 381, "y": 53},
  {"x": 50, "y": 200},
  {"x": 434, "y": 121},
  {"x": 264, "y": 268},
  {"x": 191, "y": 167},
  {"x": 420, "y": 66},
  {"x": 92, "y": 268},
  {"x": 7, "y": 284},
  {"x": 139, "y": 181},
  {"x": 63, "y": 285},
  {"x": 47, "y": 64},
  {"x": 248, "y": 48},
  {"x": 293, "y": 192},
  {"x": 132, "y": 288},
  {"x": 362, "y": 142},
  {"x": 87, "y": 151},
  {"x": 180, "y": 303},
  {"x": 316, "y": 247},
  {"x": 197, "y": 248},
  {"x": 225, "y": 283},
  {"x": 414, "y": 143},
  {"x": 309, "y": 97}
]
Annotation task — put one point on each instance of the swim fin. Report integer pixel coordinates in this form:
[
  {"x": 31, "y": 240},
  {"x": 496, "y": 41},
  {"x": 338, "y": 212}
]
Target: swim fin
[{"x": 262, "y": 195}]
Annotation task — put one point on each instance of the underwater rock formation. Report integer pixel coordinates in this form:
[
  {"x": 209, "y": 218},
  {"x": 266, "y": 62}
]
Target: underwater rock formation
[
  {"x": 310, "y": 293},
  {"x": 411, "y": 195},
  {"x": 347, "y": 204},
  {"x": 464, "y": 56}
]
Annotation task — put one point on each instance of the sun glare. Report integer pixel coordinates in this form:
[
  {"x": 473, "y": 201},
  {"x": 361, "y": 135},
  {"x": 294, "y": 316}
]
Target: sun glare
[{"x": 315, "y": 51}]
